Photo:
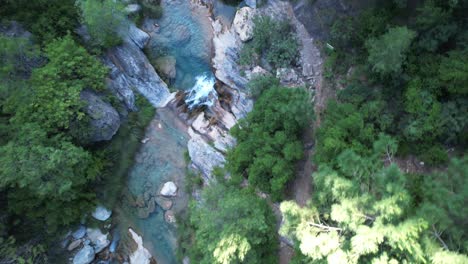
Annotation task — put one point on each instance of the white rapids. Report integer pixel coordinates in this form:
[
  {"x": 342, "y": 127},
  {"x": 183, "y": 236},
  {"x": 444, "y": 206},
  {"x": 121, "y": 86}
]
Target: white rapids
[{"x": 202, "y": 93}]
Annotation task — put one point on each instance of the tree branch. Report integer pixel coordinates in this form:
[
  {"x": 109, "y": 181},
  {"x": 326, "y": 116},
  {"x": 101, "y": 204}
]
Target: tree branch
[{"x": 437, "y": 235}]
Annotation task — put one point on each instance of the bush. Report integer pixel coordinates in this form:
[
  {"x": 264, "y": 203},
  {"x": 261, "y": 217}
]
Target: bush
[
  {"x": 269, "y": 139},
  {"x": 273, "y": 40}
]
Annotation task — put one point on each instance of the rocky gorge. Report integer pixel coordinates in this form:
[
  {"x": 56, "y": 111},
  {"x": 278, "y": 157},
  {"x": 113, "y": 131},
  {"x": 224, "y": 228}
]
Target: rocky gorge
[{"x": 142, "y": 228}]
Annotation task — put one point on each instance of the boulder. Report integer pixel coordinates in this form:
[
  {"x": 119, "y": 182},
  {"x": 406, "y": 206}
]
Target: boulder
[
  {"x": 169, "y": 189},
  {"x": 135, "y": 35},
  {"x": 164, "y": 203},
  {"x": 141, "y": 255},
  {"x": 101, "y": 213},
  {"x": 203, "y": 156},
  {"x": 132, "y": 9},
  {"x": 243, "y": 23},
  {"x": 84, "y": 256},
  {"x": 75, "y": 244},
  {"x": 80, "y": 232},
  {"x": 134, "y": 71},
  {"x": 166, "y": 66},
  {"x": 98, "y": 240},
  {"x": 104, "y": 119},
  {"x": 227, "y": 46}
]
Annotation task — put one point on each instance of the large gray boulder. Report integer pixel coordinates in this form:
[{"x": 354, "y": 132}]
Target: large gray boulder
[
  {"x": 203, "y": 156},
  {"x": 104, "y": 119},
  {"x": 227, "y": 46},
  {"x": 131, "y": 71},
  {"x": 251, "y": 3},
  {"x": 84, "y": 256},
  {"x": 243, "y": 23},
  {"x": 101, "y": 213}
]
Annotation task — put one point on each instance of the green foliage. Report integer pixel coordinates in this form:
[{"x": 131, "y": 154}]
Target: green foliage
[
  {"x": 47, "y": 176},
  {"x": 105, "y": 20},
  {"x": 363, "y": 212},
  {"x": 444, "y": 197},
  {"x": 54, "y": 100},
  {"x": 45, "y": 19},
  {"x": 232, "y": 226},
  {"x": 151, "y": 8},
  {"x": 269, "y": 139},
  {"x": 452, "y": 72},
  {"x": 387, "y": 53},
  {"x": 273, "y": 40},
  {"x": 262, "y": 83}
]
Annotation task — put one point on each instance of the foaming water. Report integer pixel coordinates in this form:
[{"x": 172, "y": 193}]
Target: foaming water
[{"x": 202, "y": 93}]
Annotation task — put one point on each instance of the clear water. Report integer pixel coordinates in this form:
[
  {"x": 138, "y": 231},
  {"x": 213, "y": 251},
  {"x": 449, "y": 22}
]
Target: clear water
[
  {"x": 183, "y": 36},
  {"x": 162, "y": 159},
  {"x": 159, "y": 160}
]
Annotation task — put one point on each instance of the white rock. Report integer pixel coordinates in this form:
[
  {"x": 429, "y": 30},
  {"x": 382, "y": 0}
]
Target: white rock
[
  {"x": 84, "y": 256},
  {"x": 169, "y": 189},
  {"x": 98, "y": 240},
  {"x": 132, "y": 8},
  {"x": 101, "y": 213},
  {"x": 243, "y": 23},
  {"x": 141, "y": 255}
]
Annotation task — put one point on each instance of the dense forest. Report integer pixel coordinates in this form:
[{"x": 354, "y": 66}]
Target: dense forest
[{"x": 397, "y": 73}]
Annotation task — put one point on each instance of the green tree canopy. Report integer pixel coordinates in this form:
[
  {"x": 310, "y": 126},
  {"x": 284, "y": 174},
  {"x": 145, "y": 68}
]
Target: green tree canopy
[
  {"x": 232, "y": 226},
  {"x": 387, "y": 53},
  {"x": 104, "y": 19},
  {"x": 269, "y": 139}
]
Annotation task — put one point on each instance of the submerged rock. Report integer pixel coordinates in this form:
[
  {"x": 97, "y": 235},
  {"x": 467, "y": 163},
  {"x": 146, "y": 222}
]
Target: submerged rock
[
  {"x": 169, "y": 189},
  {"x": 164, "y": 203},
  {"x": 169, "y": 216},
  {"x": 84, "y": 256},
  {"x": 101, "y": 213},
  {"x": 166, "y": 66},
  {"x": 243, "y": 23},
  {"x": 104, "y": 119}
]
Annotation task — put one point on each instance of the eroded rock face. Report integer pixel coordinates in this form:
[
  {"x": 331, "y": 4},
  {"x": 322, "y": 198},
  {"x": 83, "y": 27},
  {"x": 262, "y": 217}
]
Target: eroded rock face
[
  {"x": 104, "y": 119},
  {"x": 131, "y": 70},
  {"x": 84, "y": 256},
  {"x": 227, "y": 46},
  {"x": 243, "y": 23}
]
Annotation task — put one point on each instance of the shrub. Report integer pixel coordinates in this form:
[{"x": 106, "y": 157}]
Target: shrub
[{"x": 273, "y": 40}]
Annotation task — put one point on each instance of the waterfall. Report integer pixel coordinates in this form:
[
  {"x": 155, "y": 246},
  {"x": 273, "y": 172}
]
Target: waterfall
[{"x": 202, "y": 93}]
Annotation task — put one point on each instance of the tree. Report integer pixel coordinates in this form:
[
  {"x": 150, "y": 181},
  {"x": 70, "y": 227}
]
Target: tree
[
  {"x": 273, "y": 40},
  {"x": 105, "y": 20},
  {"x": 452, "y": 72},
  {"x": 387, "y": 53},
  {"x": 269, "y": 139},
  {"x": 45, "y": 178},
  {"x": 363, "y": 212},
  {"x": 54, "y": 100},
  {"x": 232, "y": 226}
]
